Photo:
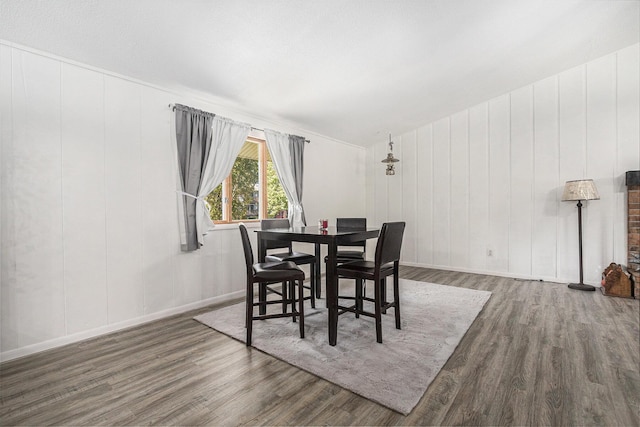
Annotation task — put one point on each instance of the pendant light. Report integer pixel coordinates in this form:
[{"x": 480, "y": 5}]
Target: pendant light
[{"x": 390, "y": 160}]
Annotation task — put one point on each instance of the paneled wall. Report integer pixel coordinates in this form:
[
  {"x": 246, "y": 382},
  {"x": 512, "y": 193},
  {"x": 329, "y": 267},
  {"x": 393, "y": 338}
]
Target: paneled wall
[
  {"x": 88, "y": 203},
  {"x": 480, "y": 190}
]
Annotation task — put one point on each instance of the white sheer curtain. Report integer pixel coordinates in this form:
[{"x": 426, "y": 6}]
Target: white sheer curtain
[
  {"x": 227, "y": 140},
  {"x": 280, "y": 150}
]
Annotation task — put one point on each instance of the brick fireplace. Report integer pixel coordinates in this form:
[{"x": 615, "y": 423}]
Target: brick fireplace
[{"x": 633, "y": 228}]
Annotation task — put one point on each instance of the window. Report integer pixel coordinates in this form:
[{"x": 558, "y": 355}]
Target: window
[{"x": 252, "y": 190}]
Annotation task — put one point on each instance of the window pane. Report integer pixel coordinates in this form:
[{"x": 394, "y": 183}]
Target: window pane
[
  {"x": 214, "y": 199},
  {"x": 245, "y": 197},
  {"x": 277, "y": 204},
  {"x": 245, "y": 189}
]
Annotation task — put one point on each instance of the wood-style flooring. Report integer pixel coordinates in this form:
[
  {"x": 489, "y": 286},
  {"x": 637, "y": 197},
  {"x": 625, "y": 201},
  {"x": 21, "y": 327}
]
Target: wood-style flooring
[{"x": 538, "y": 354}]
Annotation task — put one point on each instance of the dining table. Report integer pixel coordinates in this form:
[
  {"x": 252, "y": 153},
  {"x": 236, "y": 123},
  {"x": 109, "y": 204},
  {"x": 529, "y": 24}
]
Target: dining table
[{"x": 332, "y": 237}]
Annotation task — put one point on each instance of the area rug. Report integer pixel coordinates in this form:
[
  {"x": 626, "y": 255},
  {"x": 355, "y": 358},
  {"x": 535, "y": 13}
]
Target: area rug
[{"x": 395, "y": 373}]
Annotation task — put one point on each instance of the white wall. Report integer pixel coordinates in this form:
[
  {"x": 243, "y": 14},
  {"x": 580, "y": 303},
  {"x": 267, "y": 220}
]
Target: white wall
[
  {"x": 88, "y": 204},
  {"x": 490, "y": 178}
]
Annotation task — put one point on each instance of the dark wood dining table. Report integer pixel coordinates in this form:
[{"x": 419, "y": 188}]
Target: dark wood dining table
[{"x": 332, "y": 237}]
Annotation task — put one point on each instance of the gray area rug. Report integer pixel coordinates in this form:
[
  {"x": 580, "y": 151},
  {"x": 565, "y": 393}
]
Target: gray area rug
[{"x": 395, "y": 373}]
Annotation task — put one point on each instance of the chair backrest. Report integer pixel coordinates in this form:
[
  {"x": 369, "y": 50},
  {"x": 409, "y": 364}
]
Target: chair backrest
[
  {"x": 268, "y": 224},
  {"x": 246, "y": 245},
  {"x": 352, "y": 224},
  {"x": 389, "y": 243}
]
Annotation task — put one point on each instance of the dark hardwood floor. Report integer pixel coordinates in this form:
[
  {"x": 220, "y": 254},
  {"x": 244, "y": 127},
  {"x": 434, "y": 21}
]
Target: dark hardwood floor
[{"x": 538, "y": 354}]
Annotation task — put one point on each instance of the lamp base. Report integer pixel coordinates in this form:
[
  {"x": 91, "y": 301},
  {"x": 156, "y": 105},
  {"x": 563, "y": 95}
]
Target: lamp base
[{"x": 582, "y": 287}]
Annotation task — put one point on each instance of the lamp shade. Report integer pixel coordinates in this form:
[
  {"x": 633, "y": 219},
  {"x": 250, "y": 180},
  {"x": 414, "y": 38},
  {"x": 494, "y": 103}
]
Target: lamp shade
[
  {"x": 582, "y": 189},
  {"x": 390, "y": 159}
]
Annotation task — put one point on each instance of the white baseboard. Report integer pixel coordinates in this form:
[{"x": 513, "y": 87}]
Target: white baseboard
[
  {"x": 92, "y": 333},
  {"x": 495, "y": 273}
]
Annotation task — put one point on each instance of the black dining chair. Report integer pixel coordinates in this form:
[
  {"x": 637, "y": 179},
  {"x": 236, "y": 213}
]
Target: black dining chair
[
  {"x": 269, "y": 273},
  {"x": 354, "y": 251},
  {"x": 387, "y": 261},
  {"x": 299, "y": 258}
]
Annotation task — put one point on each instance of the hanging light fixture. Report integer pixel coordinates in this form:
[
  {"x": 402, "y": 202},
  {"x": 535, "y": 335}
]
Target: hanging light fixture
[{"x": 390, "y": 160}]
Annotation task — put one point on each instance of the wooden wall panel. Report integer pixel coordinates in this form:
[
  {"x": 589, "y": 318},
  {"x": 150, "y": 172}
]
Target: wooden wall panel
[
  {"x": 381, "y": 184},
  {"x": 409, "y": 162},
  {"x": 547, "y": 189},
  {"x": 441, "y": 193},
  {"x": 424, "y": 195},
  {"x": 160, "y": 240},
  {"x": 521, "y": 166},
  {"x": 478, "y": 186},
  {"x": 223, "y": 261},
  {"x": 370, "y": 198},
  {"x": 394, "y": 183},
  {"x": 370, "y": 201},
  {"x": 628, "y": 111},
  {"x": 330, "y": 165},
  {"x": 572, "y": 165},
  {"x": 460, "y": 189},
  {"x": 218, "y": 251},
  {"x": 8, "y": 290},
  {"x": 83, "y": 198},
  {"x": 499, "y": 183},
  {"x": 36, "y": 191},
  {"x": 123, "y": 202},
  {"x": 601, "y": 159}
]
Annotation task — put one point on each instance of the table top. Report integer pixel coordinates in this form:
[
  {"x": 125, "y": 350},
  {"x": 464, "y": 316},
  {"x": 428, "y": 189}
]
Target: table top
[{"x": 315, "y": 234}]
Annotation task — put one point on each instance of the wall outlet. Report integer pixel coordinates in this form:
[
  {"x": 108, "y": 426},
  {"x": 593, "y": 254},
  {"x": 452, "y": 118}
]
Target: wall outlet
[{"x": 489, "y": 252}]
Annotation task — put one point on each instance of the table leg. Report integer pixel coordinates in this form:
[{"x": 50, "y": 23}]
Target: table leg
[
  {"x": 332, "y": 293},
  {"x": 319, "y": 264},
  {"x": 262, "y": 289}
]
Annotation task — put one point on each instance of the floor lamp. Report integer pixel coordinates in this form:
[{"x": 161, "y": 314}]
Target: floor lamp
[{"x": 580, "y": 190}]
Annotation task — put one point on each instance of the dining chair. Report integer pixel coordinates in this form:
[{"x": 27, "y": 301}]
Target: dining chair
[
  {"x": 299, "y": 258},
  {"x": 353, "y": 251},
  {"x": 386, "y": 263},
  {"x": 268, "y": 273}
]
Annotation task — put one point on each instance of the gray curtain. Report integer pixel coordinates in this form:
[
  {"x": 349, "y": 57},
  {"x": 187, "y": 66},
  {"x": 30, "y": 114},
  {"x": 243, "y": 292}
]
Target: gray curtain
[
  {"x": 193, "y": 137},
  {"x": 296, "y": 144}
]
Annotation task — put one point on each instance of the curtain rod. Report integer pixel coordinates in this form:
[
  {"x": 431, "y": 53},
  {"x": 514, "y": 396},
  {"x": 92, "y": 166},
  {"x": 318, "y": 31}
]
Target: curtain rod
[
  {"x": 173, "y": 108},
  {"x": 262, "y": 130}
]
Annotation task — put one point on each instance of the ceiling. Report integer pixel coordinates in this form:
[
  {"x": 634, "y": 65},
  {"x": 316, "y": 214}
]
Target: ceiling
[{"x": 352, "y": 70}]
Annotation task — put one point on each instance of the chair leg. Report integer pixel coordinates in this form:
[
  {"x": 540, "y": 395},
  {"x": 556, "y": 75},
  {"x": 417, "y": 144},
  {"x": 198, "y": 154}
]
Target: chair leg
[
  {"x": 249, "y": 312},
  {"x": 313, "y": 284},
  {"x": 284, "y": 297},
  {"x": 301, "y": 309},
  {"x": 292, "y": 293},
  {"x": 359, "y": 305},
  {"x": 396, "y": 299},
  {"x": 378, "y": 309},
  {"x": 262, "y": 296},
  {"x": 383, "y": 294}
]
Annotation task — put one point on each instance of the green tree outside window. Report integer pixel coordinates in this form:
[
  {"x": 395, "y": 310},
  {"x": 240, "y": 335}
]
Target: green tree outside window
[
  {"x": 277, "y": 201},
  {"x": 245, "y": 189}
]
